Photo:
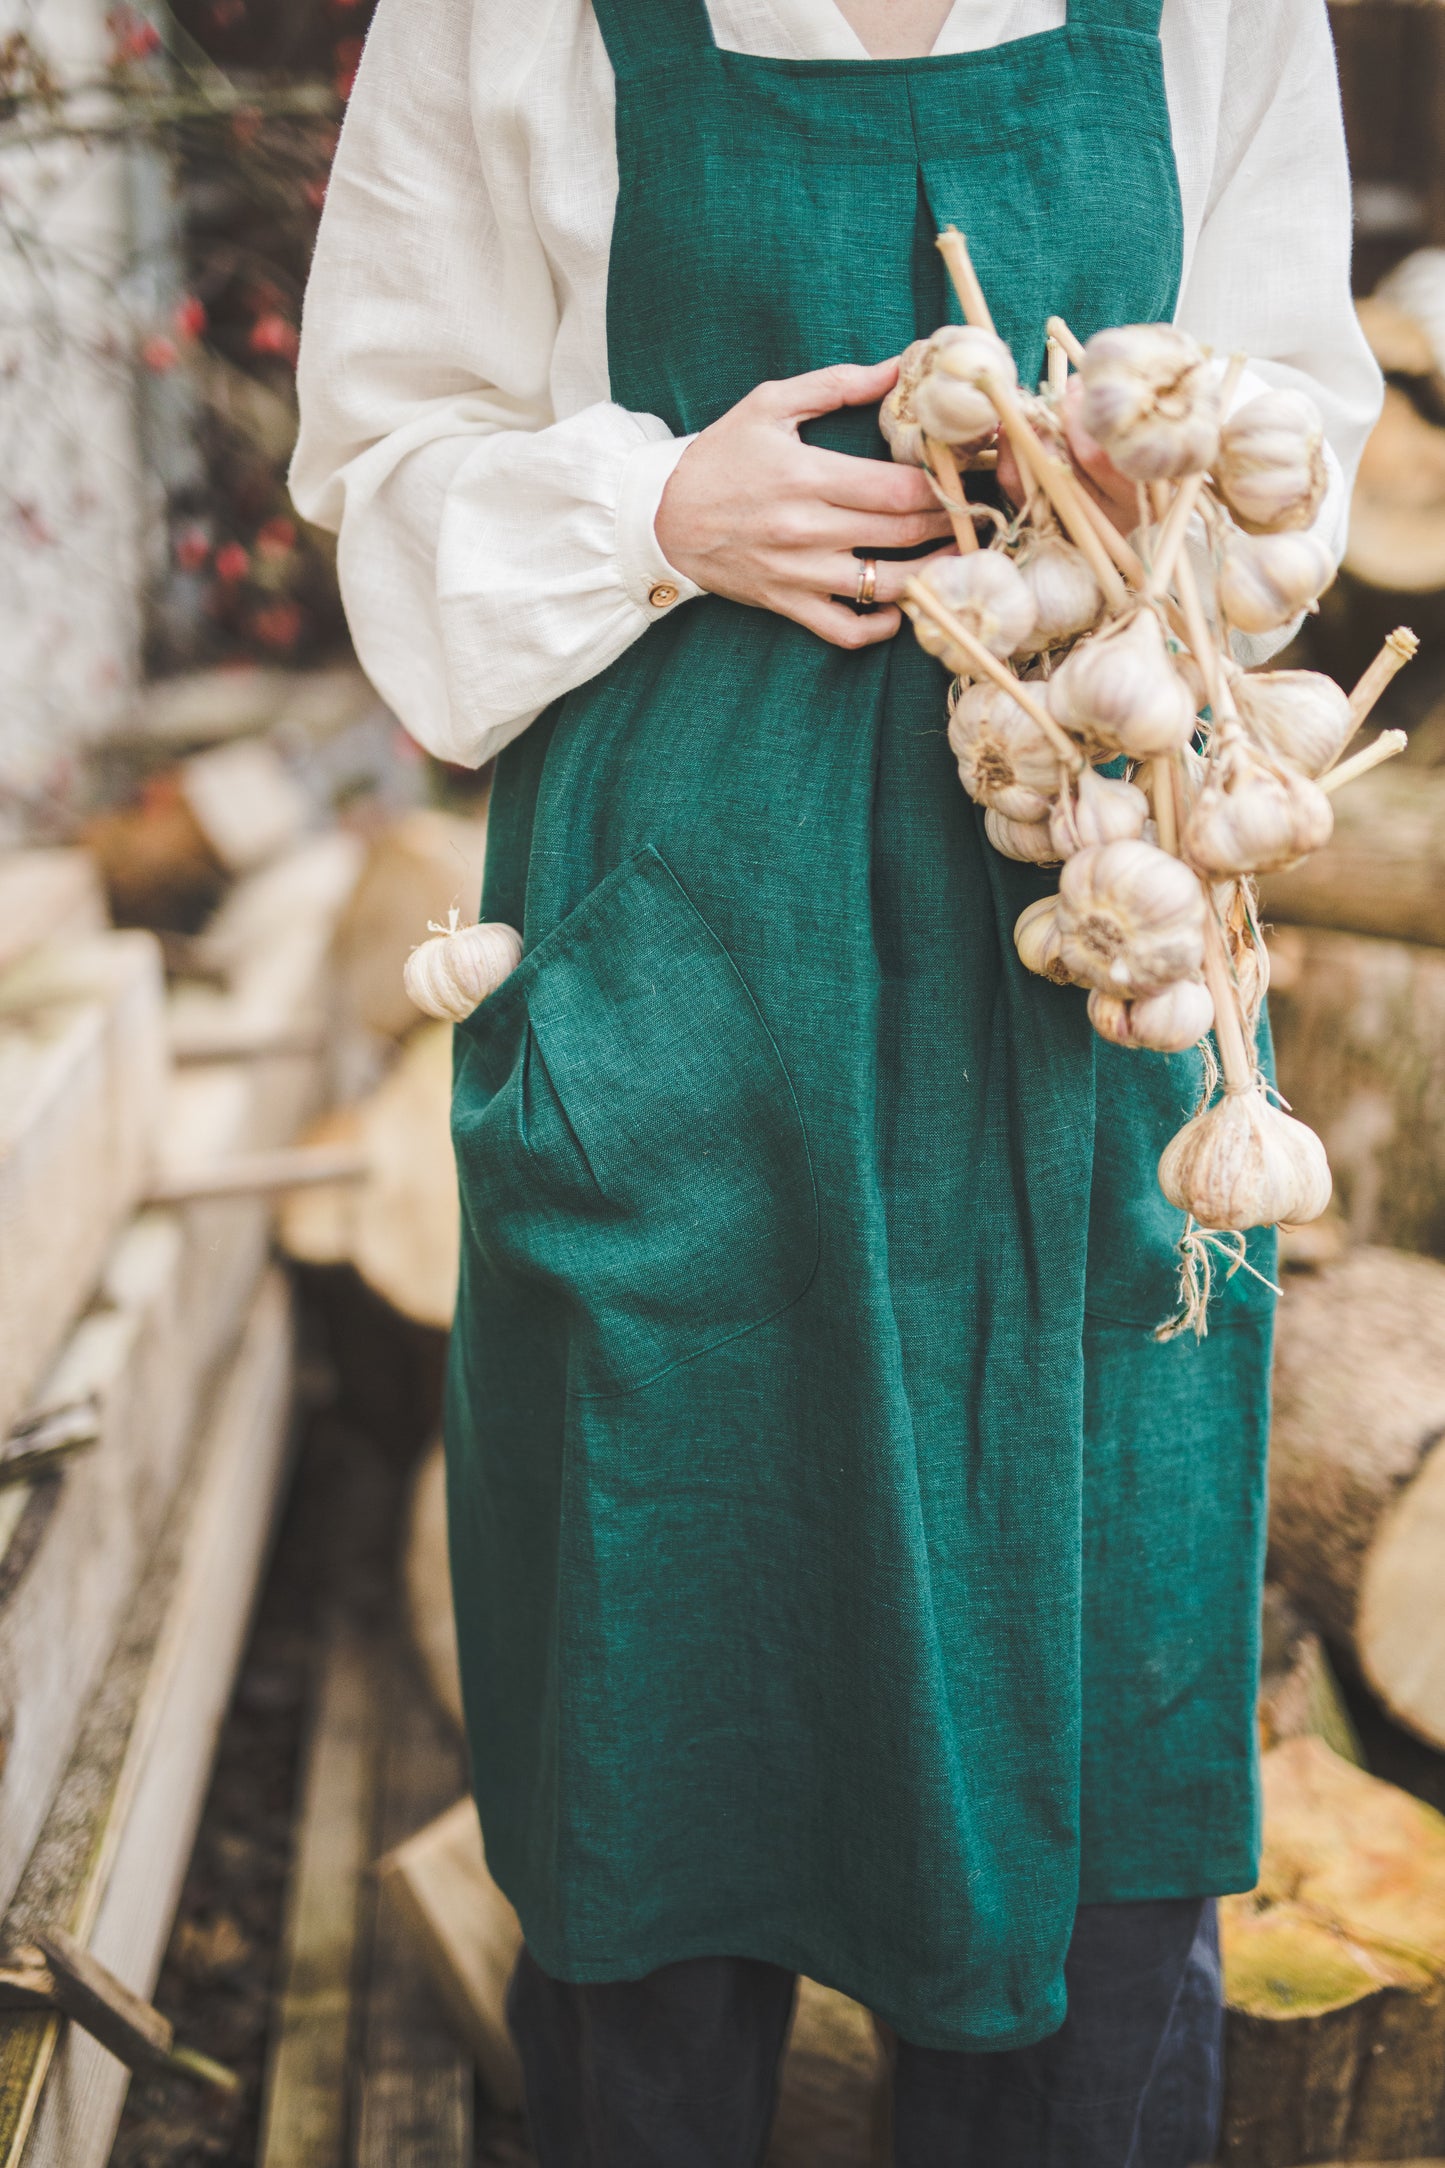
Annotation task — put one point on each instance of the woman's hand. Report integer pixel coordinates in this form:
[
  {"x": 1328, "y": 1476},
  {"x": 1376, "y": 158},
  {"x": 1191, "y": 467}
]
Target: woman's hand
[
  {"x": 753, "y": 513},
  {"x": 1095, "y": 469}
]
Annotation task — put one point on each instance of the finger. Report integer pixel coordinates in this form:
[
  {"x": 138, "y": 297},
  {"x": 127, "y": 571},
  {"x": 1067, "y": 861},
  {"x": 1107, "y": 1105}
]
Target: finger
[
  {"x": 1086, "y": 451},
  {"x": 865, "y": 485},
  {"x": 796, "y": 399},
  {"x": 842, "y": 627},
  {"x": 875, "y": 532},
  {"x": 842, "y": 576},
  {"x": 1010, "y": 481}
]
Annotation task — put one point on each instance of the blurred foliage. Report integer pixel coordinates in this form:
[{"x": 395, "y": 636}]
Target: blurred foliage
[{"x": 251, "y": 186}]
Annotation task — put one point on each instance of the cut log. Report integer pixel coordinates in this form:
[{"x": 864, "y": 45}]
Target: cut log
[
  {"x": 427, "y": 1582},
  {"x": 47, "y": 896},
  {"x": 401, "y": 1228},
  {"x": 1299, "y": 1697},
  {"x": 1397, "y": 514},
  {"x": 833, "y": 2093},
  {"x": 247, "y": 804},
  {"x": 415, "y": 872},
  {"x": 82, "y": 1080},
  {"x": 1384, "y": 871},
  {"x": 1359, "y": 1029},
  {"x": 109, "y": 1863},
  {"x": 158, "y": 869},
  {"x": 208, "y": 707},
  {"x": 1335, "y": 1971},
  {"x": 1357, "y": 1480}
]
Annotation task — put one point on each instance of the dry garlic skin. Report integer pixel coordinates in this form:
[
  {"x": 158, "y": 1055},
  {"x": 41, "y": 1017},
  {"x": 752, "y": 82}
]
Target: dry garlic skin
[
  {"x": 1119, "y": 692},
  {"x": 1243, "y": 1163},
  {"x": 902, "y": 431},
  {"x": 986, "y": 595},
  {"x": 1099, "y": 809},
  {"x": 1067, "y": 597},
  {"x": 1268, "y": 580},
  {"x": 1037, "y": 939},
  {"x": 1169, "y": 1022},
  {"x": 1300, "y": 716},
  {"x": 1254, "y": 816},
  {"x": 1131, "y": 918},
  {"x": 1152, "y": 400},
  {"x": 453, "y": 973},
  {"x": 1271, "y": 468},
  {"x": 1004, "y": 759},
  {"x": 1027, "y": 841}
]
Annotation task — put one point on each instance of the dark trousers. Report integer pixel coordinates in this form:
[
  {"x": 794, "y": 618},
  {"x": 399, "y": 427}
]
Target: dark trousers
[{"x": 680, "y": 2070}]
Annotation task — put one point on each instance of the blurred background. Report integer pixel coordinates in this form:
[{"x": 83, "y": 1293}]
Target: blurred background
[{"x": 247, "y": 1917}]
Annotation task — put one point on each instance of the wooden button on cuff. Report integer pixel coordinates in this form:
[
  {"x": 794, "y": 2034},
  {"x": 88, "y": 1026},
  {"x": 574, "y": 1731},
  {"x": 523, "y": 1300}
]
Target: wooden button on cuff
[{"x": 663, "y": 595}]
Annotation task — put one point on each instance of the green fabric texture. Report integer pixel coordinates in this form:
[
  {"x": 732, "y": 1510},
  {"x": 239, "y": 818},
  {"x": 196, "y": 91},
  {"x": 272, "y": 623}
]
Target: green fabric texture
[{"x": 844, "y": 1575}]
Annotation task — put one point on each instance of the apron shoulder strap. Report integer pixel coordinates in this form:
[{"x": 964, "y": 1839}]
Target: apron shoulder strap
[
  {"x": 640, "y": 34},
  {"x": 1142, "y": 15}
]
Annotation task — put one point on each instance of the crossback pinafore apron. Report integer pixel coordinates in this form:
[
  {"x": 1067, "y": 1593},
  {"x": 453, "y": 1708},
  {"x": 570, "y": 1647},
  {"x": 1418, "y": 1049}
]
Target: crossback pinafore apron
[{"x": 845, "y": 1577}]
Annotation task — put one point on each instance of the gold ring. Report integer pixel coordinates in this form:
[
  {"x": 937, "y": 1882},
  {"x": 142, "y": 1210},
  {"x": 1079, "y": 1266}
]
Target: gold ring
[{"x": 867, "y": 583}]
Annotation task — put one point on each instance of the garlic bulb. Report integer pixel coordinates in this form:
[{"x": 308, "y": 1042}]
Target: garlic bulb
[
  {"x": 1267, "y": 580},
  {"x": 1243, "y": 1163},
  {"x": 986, "y": 595},
  {"x": 1131, "y": 918},
  {"x": 897, "y": 419},
  {"x": 952, "y": 397},
  {"x": 1169, "y": 1022},
  {"x": 1253, "y": 815},
  {"x": 1151, "y": 399},
  {"x": 1119, "y": 691},
  {"x": 1067, "y": 597},
  {"x": 1004, "y": 759},
  {"x": 452, "y": 974},
  {"x": 1037, "y": 939},
  {"x": 1300, "y": 716},
  {"x": 1271, "y": 469},
  {"x": 1027, "y": 841},
  {"x": 1103, "y": 809}
]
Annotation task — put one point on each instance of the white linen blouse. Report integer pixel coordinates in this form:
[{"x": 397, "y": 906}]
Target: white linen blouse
[{"x": 494, "y": 507}]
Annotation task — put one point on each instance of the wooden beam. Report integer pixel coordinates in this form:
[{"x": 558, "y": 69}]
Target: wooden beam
[
  {"x": 306, "y": 2117},
  {"x": 109, "y": 1862},
  {"x": 82, "y": 1088},
  {"x": 416, "y": 2080}
]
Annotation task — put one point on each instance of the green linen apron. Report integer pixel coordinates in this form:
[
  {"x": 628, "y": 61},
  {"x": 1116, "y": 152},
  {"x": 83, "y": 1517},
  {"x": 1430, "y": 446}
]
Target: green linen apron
[{"x": 844, "y": 1575}]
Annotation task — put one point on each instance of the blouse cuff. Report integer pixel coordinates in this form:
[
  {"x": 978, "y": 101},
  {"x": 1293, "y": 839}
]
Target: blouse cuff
[{"x": 652, "y": 584}]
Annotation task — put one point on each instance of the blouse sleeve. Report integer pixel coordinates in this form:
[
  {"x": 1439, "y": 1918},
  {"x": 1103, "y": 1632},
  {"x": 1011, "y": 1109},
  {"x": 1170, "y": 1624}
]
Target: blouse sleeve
[
  {"x": 1270, "y": 273},
  {"x": 492, "y": 553}
]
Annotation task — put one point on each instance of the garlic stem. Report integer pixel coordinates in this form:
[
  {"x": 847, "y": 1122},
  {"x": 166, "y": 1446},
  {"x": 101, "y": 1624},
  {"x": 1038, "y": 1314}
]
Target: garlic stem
[
  {"x": 918, "y": 600},
  {"x": 952, "y": 494},
  {"x": 1205, "y": 653},
  {"x": 1125, "y": 556},
  {"x": 1164, "y": 801},
  {"x": 1385, "y": 747},
  {"x": 1186, "y": 498},
  {"x": 1060, "y": 487},
  {"x": 1234, "y": 1054},
  {"x": 1401, "y": 646},
  {"x": 954, "y": 250},
  {"x": 1061, "y": 335},
  {"x": 1058, "y": 367}
]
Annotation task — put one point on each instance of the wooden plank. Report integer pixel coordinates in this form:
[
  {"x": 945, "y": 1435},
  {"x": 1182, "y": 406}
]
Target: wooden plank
[
  {"x": 47, "y": 896},
  {"x": 306, "y": 2118},
  {"x": 171, "y": 1301},
  {"x": 109, "y": 1863},
  {"x": 467, "y": 1935},
  {"x": 82, "y": 1076},
  {"x": 416, "y": 2095}
]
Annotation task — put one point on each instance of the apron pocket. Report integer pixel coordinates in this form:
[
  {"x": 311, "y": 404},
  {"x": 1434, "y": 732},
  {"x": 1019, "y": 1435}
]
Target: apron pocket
[{"x": 628, "y": 1138}]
